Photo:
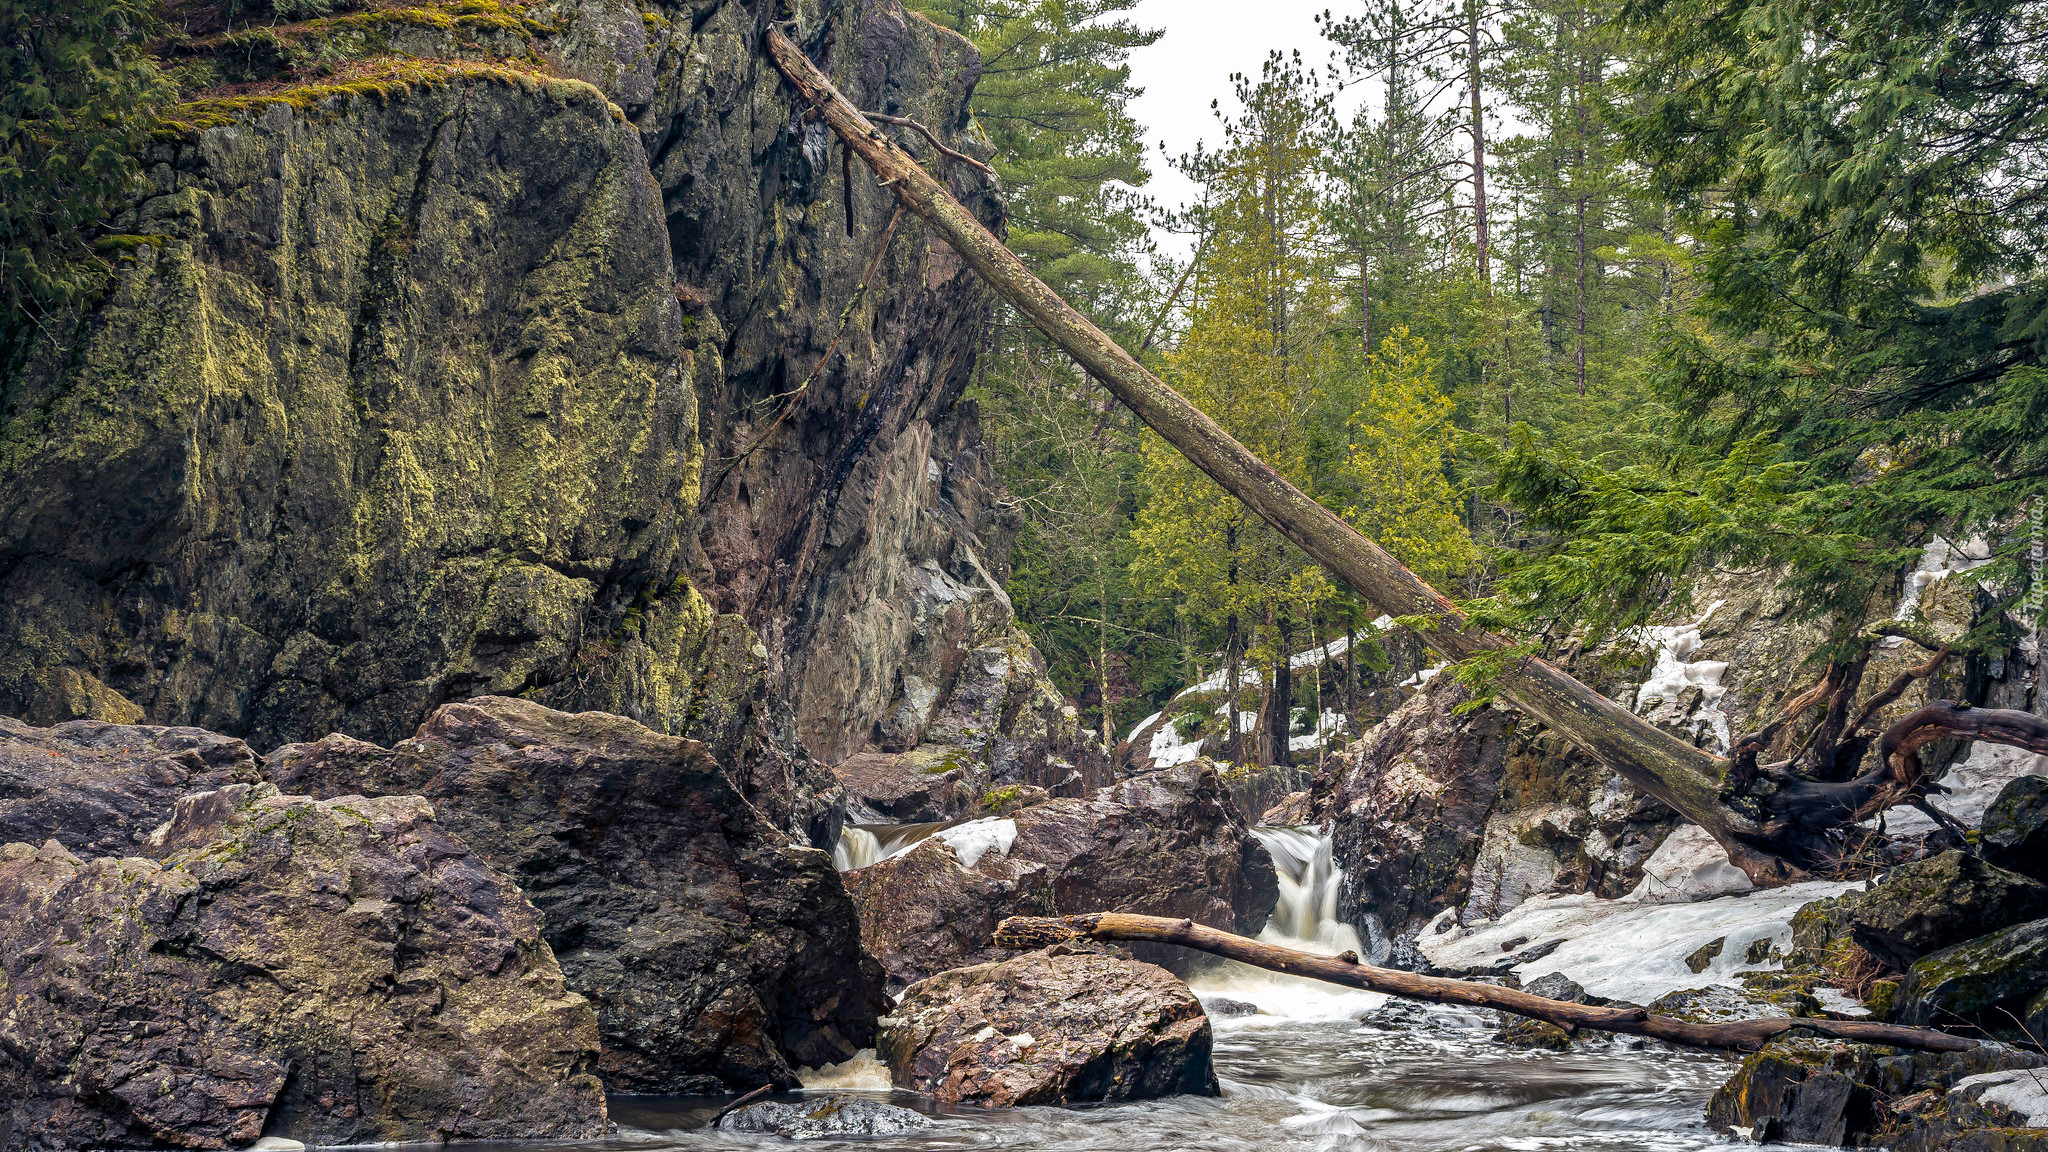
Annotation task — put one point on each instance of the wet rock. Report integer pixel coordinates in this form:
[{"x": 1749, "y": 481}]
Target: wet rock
[
  {"x": 1408, "y": 806},
  {"x": 1703, "y": 957},
  {"x": 1165, "y": 844},
  {"x": 816, "y": 1119},
  {"x": 1833, "y": 1092},
  {"x": 1988, "y": 982},
  {"x": 99, "y": 788},
  {"x": 1294, "y": 810},
  {"x": 1057, "y": 1026},
  {"x": 1918, "y": 908},
  {"x": 1522, "y": 1032},
  {"x": 1717, "y": 1004},
  {"x": 2016, "y": 827},
  {"x": 1225, "y": 1006},
  {"x": 719, "y": 954},
  {"x": 335, "y": 972}
]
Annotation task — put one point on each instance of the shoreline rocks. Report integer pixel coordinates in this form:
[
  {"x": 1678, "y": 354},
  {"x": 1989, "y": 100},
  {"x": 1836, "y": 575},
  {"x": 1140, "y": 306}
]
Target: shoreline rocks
[
  {"x": 335, "y": 972},
  {"x": 1060, "y": 1025},
  {"x": 719, "y": 954}
]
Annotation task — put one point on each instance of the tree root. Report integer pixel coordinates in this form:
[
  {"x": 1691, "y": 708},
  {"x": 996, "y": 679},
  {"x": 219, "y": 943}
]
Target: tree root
[{"x": 1024, "y": 932}]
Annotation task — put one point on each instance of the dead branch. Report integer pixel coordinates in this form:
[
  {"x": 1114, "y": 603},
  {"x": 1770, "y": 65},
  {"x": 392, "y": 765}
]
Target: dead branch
[
  {"x": 928, "y": 134},
  {"x": 1023, "y": 932},
  {"x": 1897, "y": 688}
]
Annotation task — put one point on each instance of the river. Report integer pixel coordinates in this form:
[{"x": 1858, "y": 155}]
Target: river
[{"x": 1318, "y": 1068}]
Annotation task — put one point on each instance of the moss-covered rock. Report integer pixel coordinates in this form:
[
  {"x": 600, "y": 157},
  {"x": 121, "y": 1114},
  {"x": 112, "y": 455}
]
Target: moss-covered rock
[
  {"x": 1811, "y": 1091},
  {"x": 2016, "y": 827},
  {"x": 1985, "y": 983},
  {"x": 1919, "y": 908}
]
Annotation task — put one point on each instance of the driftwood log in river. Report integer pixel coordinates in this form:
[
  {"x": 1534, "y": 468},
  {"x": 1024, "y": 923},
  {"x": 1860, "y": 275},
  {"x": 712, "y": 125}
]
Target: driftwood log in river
[
  {"x": 1772, "y": 845},
  {"x": 1023, "y": 932}
]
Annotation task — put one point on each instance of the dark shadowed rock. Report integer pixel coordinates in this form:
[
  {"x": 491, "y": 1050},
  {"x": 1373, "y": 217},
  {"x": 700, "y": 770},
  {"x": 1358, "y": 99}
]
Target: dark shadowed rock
[
  {"x": 337, "y": 972},
  {"x": 1918, "y": 908},
  {"x": 1804, "y": 1091},
  {"x": 99, "y": 788},
  {"x": 718, "y": 952},
  {"x": 1060, "y": 1025},
  {"x": 1987, "y": 982},
  {"x": 1166, "y": 843},
  {"x": 2016, "y": 827},
  {"x": 817, "y": 1119}
]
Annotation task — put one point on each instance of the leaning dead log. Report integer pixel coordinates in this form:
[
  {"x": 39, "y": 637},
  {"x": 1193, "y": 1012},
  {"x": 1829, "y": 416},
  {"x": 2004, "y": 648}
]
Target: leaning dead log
[
  {"x": 1022, "y": 932},
  {"x": 1771, "y": 847}
]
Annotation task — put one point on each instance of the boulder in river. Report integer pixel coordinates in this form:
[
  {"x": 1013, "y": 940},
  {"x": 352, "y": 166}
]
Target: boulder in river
[
  {"x": 2016, "y": 827},
  {"x": 101, "y": 789},
  {"x": 336, "y": 972},
  {"x": 1989, "y": 982},
  {"x": 816, "y": 1119},
  {"x": 1919, "y": 908},
  {"x": 720, "y": 955},
  {"x": 1060, "y": 1025},
  {"x": 1166, "y": 843}
]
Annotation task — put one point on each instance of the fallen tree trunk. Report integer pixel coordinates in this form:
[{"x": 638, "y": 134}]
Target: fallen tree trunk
[
  {"x": 1023, "y": 932},
  {"x": 1771, "y": 849},
  {"x": 1652, "y": 759}
]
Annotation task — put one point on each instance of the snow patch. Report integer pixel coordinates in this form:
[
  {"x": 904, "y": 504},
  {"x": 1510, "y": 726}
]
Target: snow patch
[
  {"x": 1687, "y": 867},
  {"x": 1972, "y": 785},
  {"x": 1675, "y": 671},
  {"x": 1938, "y": 561},
  {"x": 1626, "y": 949},
  {"x": 2024, "y": 1090},
  {"x": 973, "y": 840},
  {"x": 1422, "y": 678}
]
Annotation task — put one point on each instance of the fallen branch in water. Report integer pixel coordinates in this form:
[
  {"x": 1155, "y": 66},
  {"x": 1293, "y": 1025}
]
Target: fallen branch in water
[{"x": 1022, "y": 932}]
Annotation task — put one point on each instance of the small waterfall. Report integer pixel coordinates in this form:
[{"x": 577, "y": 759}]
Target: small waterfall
[
  {"x": 863, "y": 844},
  {"x": 1305, "y": 917},
  {"x": 857, "y": 848}
]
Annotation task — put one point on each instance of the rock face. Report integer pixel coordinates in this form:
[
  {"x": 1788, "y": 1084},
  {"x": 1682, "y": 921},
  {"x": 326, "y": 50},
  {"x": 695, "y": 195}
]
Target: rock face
[
  {"x": 2016, "y": 827},
  {"x": 1056, "y": 1026},
  {"x": 101, "y": 789},
  {"x": 1990, "y": 982},
  {"x": 406, "y": 388},
  {"x": 1831, "y": 1092},
  {"x": 337, "y": 972},
  {"x": 1166, "y": 843},
  {"x": 718, "y": 953},
  {"x": 1918, "y": 908}
]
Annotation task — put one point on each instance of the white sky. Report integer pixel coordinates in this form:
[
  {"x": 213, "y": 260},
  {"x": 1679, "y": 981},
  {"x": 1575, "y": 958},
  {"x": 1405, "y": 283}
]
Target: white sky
[{"x": 1205, "y": 41}]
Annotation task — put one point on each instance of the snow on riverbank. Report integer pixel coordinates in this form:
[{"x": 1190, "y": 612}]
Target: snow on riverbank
[
  {"x": 1676, "y": 670},
  {"x": 1635, "y": 948}
]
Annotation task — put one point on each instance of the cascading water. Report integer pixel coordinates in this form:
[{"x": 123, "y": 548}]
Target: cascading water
[
  {"x": 1305, "y": 917},
  {"x": 863, "y": 844}
]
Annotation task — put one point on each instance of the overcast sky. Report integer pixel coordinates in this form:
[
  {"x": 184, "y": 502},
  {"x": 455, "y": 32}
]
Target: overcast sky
[{"x": 1205, "y": 41}]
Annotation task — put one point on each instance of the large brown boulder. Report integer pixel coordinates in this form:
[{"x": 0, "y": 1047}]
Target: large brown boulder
[
  {"x": 1060, "y": 1025},
  {"x": 338, "y": 972},
  {"x": 1166, "y": 843},
  {"x": 719, "y": 953},
  {"x": 101, "y": 789}
]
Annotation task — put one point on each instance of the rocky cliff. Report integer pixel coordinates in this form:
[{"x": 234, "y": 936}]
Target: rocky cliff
[{"x": 473, "y": 348}]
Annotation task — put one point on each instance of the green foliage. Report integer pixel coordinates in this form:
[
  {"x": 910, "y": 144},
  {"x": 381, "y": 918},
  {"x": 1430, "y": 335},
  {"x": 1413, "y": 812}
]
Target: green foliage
[{"x": 79, "y": 100}]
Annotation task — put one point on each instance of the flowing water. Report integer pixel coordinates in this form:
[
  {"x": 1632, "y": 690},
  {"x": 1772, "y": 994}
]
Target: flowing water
[{"x": 1305, "y": 1073}]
